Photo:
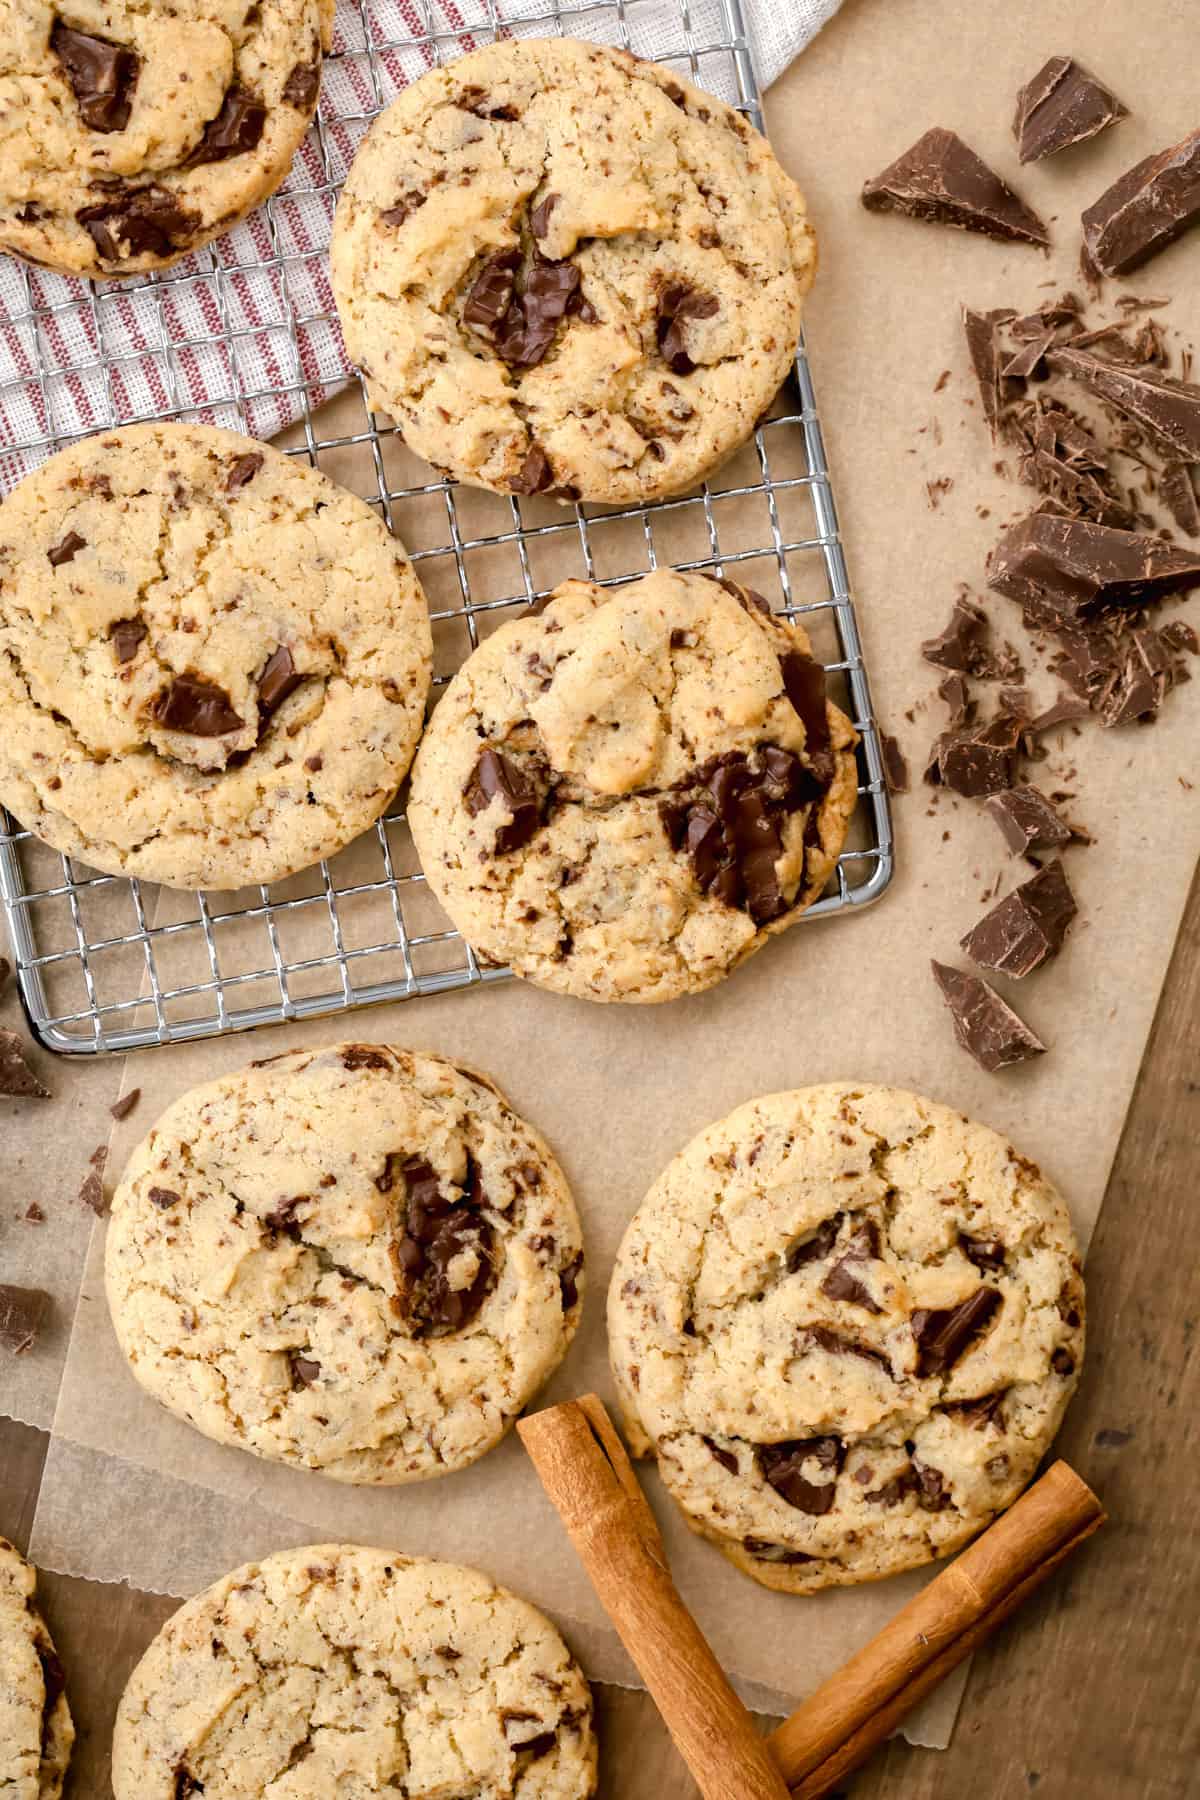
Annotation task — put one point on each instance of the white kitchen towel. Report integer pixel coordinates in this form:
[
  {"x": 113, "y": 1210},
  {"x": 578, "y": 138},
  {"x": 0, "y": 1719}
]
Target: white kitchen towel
[{"x": 245, "y": 334}]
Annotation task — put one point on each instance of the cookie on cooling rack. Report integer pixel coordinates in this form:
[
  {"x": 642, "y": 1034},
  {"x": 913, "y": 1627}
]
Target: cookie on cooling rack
[
  {"x": 847, "y": 1322},
  {"x": 565, "y": 270},
  {"x": 627, "y": 794},
  {"x": 130, "y": 135},
  {"x": 36, "y": 1733},
  {"x": 356, "y": 1671},
  {"x": 357, "y": 1260},
  {"x": 213, "y": 661}
]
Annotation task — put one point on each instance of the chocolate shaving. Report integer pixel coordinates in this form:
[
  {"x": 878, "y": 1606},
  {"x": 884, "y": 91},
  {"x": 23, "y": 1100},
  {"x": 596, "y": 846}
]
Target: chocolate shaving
[
  {"x": 984, "y": 1025},
  {"x": 940, "y": 179},
  {"x": 121, "y": 1109},
  {"x": 1061, "y": 106}
]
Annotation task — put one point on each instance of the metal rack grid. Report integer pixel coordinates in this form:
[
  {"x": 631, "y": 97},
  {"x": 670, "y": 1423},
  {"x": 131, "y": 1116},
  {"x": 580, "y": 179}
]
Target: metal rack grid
[{"x": 108, "y": 965}]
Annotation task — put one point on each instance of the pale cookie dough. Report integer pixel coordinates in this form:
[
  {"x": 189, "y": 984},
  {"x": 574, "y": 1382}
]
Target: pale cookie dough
[
  {"x": 847, "y": 1322},
  {"x": 625, "y": 795},
  {"x": 36, "y": 1733},
  {"x": 130, "y": 134},
  {"x": 213, "y": 661},
  {"x": 564, "y": 270},
  {"x": 336, "y": 1669},
  {"x": 356, "y": 1259}
]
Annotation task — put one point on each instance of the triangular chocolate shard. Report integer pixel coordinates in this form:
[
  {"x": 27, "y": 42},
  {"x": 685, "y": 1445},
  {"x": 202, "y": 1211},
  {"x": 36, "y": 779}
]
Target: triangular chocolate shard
[
  {"x": 986, "y": 1027},
  {"x": 1061, "y": 106},
  {"x": 941, "y": 179},
  {"x": 1168, "y": 408},
  {"x": 1145, "y": 209}
]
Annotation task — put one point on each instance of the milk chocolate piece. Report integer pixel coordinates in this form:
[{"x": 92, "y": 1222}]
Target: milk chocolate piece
[
  {"x": 1065, "y": 567},
  {"x": 1027, "y": 820},
  {"x": 1026, "y": 928},
  {"x": 102, "y": 76},
  {"x": 1062, "y": 105},
  {"x": 237, "y": 128},
  {"x": 963, "y": 646},
  {"x": 979, "y": 759},
  {"x": 783, "y": 1466},
  {"x": 497, "y": 775},
  {"x": 957, "y": 695},
  {"x": 984, "y": 1025},
  {"x": 942, "y": 180},
  {"x": 196, "y": 705},
  {"x": 943, "y": 1335},
  {"x": 17, "y": 1079},
  {"x": 1145, "y": 209},
  {"x": 1169, "y": 409},
  {"x": 22, "y": 1314}
]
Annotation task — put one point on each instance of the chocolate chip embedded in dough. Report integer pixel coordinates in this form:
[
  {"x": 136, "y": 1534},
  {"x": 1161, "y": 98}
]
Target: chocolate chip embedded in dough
[
  {"x": 438, "y": 1295},
  {"x": 125, "y": 635},
  {"x": 726, "y": 1458},
  {"x": 943, "y": 1333},
  {"x": 142, "y": 221},
  {"x": 67, "y": 550},
  {"x": 404, "y": 208},
  {"x": 677, "y": 304},
  {"x": 497, "y": 776},
  {"x": 539, "y": 218},
  {"x": 300, "y": 88},
  {"x": 277, "y": 678},
  {"x": 197, "y": 706},
  {"x": 535, "y": 476},
  {"x": 985, "y": 1253},
  {"x": 102, "y": 75},
  {"x": 236, "y": 129},
  {"x": 305, "y": 1370},
  {"x": 568, "y": 1281},
  {"x": 17, "y": 1079},
  {"x": 784, "y": 1464},
  {"x": 817, "y": 1247},
  {"x": 492, "y": 290},
  {"x": 242, "y": 470},
  {"x": 163, "y": 1198}
]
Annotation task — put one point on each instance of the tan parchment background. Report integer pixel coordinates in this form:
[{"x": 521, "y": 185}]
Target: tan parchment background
[{"x": 618, "y": 1091}]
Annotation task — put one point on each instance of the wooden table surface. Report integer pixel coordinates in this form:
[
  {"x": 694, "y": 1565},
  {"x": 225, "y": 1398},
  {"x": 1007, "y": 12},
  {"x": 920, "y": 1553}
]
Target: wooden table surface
[{"x": 1090, "y": 1694}]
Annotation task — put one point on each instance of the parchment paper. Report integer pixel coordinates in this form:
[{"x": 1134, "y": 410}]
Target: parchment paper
[{"x": 618, "y": 1091}]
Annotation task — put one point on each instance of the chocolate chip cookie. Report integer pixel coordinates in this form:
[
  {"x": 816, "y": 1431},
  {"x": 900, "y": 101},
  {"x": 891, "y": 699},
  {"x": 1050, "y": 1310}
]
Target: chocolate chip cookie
[
  {"x": 213, "y": 661},
  {"x": 336, "y": 1669},
  {"x": 357, "y": 1260},
  {"x": 132, "y": 134},
  {"x": 564, "y": 270},
  {"x": 847, "y": 1322},
  {"x": 36, "y": 1733},
  {"x": 627, "y": 794}
]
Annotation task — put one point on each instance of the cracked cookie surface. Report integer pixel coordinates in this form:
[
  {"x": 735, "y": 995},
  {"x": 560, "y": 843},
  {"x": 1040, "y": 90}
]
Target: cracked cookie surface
[
  {"x": 847, "y": 1322},
  {"x": 625, "y": 795},
  {"x": 132, "y": 133},
  {"x": 564, "y": 270},
  {"x": 357, "y": 1260},
  {"x": 340, "y": 1669},
  {"x": 36, "y": 1733},
  {"x": 213, "y": 661}
]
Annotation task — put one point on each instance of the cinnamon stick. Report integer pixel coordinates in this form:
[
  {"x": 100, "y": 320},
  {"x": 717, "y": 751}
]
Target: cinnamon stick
[
  {"x": 585, "y": 1471},
  {"x": 588, "y": 1476},
  {"x": 852, "y": 1713}
]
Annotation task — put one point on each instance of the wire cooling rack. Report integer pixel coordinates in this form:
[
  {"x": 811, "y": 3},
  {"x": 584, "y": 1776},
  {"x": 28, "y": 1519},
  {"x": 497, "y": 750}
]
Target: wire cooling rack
[{"x": 244, "y": 334}]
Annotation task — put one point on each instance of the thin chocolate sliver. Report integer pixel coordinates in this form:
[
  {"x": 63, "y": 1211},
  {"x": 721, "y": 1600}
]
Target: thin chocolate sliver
[
  {"x": 981, "y": 331},
  {"x": 1178, "y": 495},
  {"x": 1145, "y": 210},
  {"x": 986, "y": 1028},
  {"x": 1061, "y": 106},
  {"x": 121, "y": 1109},
  {"x": 1026, "y": 928},
  {"x": 941, "y": 179},
  {"x": 1167, "y": 408},
  {"x": 895, "y": 767},
  {"x": 22, "y": 1314}
]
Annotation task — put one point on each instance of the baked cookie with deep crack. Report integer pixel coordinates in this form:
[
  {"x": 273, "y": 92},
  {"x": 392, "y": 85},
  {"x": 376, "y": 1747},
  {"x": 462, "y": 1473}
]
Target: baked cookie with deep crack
[
  {"x": 847, "y": 1322},
  {"x": 213, "y": 661},
  {"x": 340, "y": 1669},
  {"x": 36, "y": 1732},
  {"x": 357, "y": 1260},
  {"x": 564, "y": 270},
  {"x": 131, "y": 134},
  {"x": 625, "y": 795}
]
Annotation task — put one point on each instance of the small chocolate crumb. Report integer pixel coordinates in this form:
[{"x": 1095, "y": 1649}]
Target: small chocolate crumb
[
  {"x": 17, "y": 1079},
  {"x": 121, "y": 1109}
]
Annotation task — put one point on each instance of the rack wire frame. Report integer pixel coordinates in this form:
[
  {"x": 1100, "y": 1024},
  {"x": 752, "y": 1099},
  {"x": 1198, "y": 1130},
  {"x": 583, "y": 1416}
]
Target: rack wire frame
[{"x": 154, "y": 1010}]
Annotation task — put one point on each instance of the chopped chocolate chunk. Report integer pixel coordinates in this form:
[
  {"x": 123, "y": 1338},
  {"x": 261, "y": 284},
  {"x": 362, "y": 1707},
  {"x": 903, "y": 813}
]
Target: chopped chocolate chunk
[
  {"x": 364, "y": 1056},
  {"x": 102, "y": 76},
  {"x": 1178, "y": 495},
  {"x": 496, "y": 775},
  {"x": 984, "y": 1025},
  {"x": 544, "y": 1742},
  {"x": 1146, "y": 209},
  {"x": 820, "y": 1337},
  {"x": 1026, "y": 928},
  {"x": 985, "y": 1253},
  {"x": 1168, "y": 408},
  {"x": 1028, "y": 820},
  {"x": 943, "y": 1334},
  {"x": 1180, "y": 636},
  {"x": 978, "y": 1413},
  {"x": 121, "y": 1109},
  {"x": 677, "y": 304},
  {"x": 535, "y": 475},
  {"x": 304, "y": 1370},
  {"x": 978, "y": 760},
  {"x": 539, "y": 218},
  {"x": 1062, "y": 105},
  {"x": 141, "y": 221},
  {"x": 91, "y": 1193},
  {"x": 125, "y": 635},
  {"x": 731, "y": 827},
  {"x": 443, "y": 1255},
  {"x": 942, "y": 180},
  {"x": 22, "y": 1314},
  {"x": 1140, "y": 681},
  {"x": 34, "y": 1214},
  {"x": 932, "y": 1492},
  {"x": 568, "y": 1281},
  {"x": 17, "y": 1079},
  {"x": 726, "y": 1458},
  {"x": 982, "y": 345},
  {"x": 530, "y": 325},
  {"x": 197, "y": 706},
  {"x": 492, "y": 290},
  {"x": 963, "y": 646},
  {"x": 1029, "y": 358},
  {"x": 243, "y": 469},
  {"x": 300, "y": 88},
  {"x": 842, "y": 1282},
  {"x": 804, "y": 685},
  {"x": 784, "y": 1465},
  {"x": 237, "y": 128},
  {"x": 66, "y": 550},
  {"x": 277, "y": 679},
  {"x": 895, "y": 768},
  {"x": 1077, "y": 492},
  {"x": 815, "y": 1248},
  {"x": 894, "y": 1491},
  {"x": 1062, "y": 567},
  {"x": 957, "y": 695}
]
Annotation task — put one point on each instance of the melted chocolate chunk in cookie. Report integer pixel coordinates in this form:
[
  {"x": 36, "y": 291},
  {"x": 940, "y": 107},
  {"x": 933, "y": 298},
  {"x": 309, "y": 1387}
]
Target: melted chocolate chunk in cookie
[
  {"x": 300, "y": 88},
  {"x": 785, "y": 1466},
  {"x": 141, "y": 221},
  {"x": 125, "y": 636},
  {"x": 237, "y": 128},
  {"x": 677, "y": 304},
  {"x": 730, "y": 827},
  {"x": 496, "y": 775},
  {"x": 66, "y": 550},
  {"x": 102, "y": 76},
  {"x": 443, "y": 1254},
  {"x": 277, "y": 679},
  {"x": 197, "y": 706},
  {"x": 942, "y": 1335}
]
